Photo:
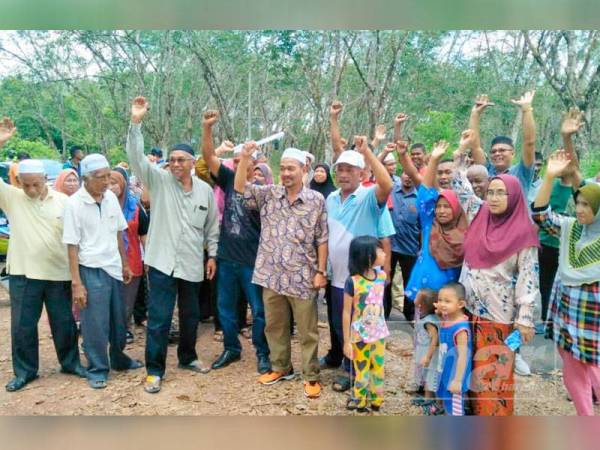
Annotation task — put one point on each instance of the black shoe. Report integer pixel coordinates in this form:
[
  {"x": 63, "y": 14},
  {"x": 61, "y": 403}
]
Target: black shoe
[
  {"x": 79, "y": 371},
  {"x": 324, "y": 363},
  {"x": 226, "y": 358},
  {"x": 263, "y": 364},
  {"x": 133, "y": 365},
  {"x": 18, "y": 383}
]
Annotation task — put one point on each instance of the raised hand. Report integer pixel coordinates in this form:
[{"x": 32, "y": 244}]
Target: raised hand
[
  {"x": 481, "y": 102},
  {"x": 225, "y": 147},
  {"x": 139, "y": 108},
  {"x": 572, "y": 122},
  {"x": 336, "y": 109},
  {"x": 557, "y": 163},
  {"x": 7, "y": 129},
  {"x": 210, "y": 117},
  {"x": 401, "y": 147},
  {"x": 248, "y": 149},
  {"x": 400, "y": 119},
  {"x": 360, "y": 144},
  {"x": 380, "y": 132},
  {"x": 467, "y": 140},
  {"x": 525, "y": 101},
  {"x": 439, "y": 149}
]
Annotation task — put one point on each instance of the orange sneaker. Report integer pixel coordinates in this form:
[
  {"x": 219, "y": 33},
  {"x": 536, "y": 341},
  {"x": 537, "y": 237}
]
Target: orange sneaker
[
  {"x": 312, "y": 389},
  {"x": 272, "y": 377}
]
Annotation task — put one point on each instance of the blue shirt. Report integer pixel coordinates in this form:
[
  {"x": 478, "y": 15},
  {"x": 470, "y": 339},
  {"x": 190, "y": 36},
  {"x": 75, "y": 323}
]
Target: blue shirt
[
  {"x": 523, "y": 173},
  {"x": 359, "y": 215},
  {"x": 426, "y": 272},
  {"x": 69, "y": 165},
  {"x": 406, "y": 221}
]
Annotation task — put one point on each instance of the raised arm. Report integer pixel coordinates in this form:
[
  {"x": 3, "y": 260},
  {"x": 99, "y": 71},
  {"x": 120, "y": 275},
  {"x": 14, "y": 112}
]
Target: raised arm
[
  {"x": 382, "y": 177},
  {"x": 438, "y": 152},
  {"x": 399, "y": 120},
  {"x": 407, "y": 164},
  {"x": 557, "y": 163},
  {"x": 481, "y": 103},
  {"x": 242, "y": 168},
  {"x": 528, "y": 153},
  {"x": 336, "y": 136},
  {"x": 140, "y": 165},
  {"x": 208, "y": 150},
  {"x": 389, "y": 148},
  {"x": 572, "y": 122},
  {"x": 378, "y": 137},
  {"x": 7, "y": 130}
]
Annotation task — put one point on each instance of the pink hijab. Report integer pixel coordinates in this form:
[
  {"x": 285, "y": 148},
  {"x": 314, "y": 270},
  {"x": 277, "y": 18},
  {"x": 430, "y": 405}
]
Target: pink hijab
[
  {"x": 59, "y": 183},
  {"x": 492, "y": 239},
  {"x": 219, "y": 194}
]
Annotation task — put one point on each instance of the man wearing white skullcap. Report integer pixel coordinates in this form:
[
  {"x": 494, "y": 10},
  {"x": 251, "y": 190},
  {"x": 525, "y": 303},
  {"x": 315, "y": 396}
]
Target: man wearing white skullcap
[
  {"x": 290, "y": 264},
  {"x": 310, "y": 159},
  {"x": 93, "y": 228},
  {"x": 183, "y": 224},
  {"x": 238, "y": 245},
  {"x": 38, "y": 268}
]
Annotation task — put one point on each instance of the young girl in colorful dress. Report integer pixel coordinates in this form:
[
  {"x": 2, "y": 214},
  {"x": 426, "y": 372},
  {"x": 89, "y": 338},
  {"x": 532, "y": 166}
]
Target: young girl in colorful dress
[
  {"x": 455, "y": 348},
  {"x": 364, "y": 322}
]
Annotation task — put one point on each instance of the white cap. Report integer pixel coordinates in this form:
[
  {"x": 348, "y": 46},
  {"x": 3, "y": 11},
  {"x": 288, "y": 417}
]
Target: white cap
[
  {"x": 389, "y": 158},
  {"x": 294, "y": 153},
  {"x": 93, "y": 162},
  {"x": 31, "y": 166},
  {"x": 351, "y": 157},
  {"x": 310, "y": 156}
]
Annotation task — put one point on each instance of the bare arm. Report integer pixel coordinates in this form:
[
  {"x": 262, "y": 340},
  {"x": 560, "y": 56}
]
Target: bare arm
[
  {"x": 336, "y": 136},
  {"x": 407, "y": 164},
  {"x": 431, "y": 172},
  {"x": 399, "y": 120},
  {"x": 528, "y": 154},
  {"x": 481, "y": 103},
  {"x": 382, "y": 177},
  {"x": 241, "y": 173},
  {"x": 462, "y": 340},
  {"x": 557, "y": 163},
  {"x": 572, "y": 123},
  {"x": 208, "y": 150},
  {"x": 433, "y": 344},
  {"x": 127, "y": 274},
  {"x": 79, "y": 293},
  {"x": 346, "y": 320},
  {"x": 320, "y": 280}
]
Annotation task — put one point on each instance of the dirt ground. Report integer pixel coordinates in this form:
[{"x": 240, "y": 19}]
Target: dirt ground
[{"x": 230, "y": 391}]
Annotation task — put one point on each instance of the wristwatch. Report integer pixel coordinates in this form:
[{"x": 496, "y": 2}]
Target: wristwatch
[{"x": 322, "y": 272}]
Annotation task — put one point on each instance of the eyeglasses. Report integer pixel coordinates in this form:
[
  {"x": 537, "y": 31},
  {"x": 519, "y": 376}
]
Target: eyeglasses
[
  {"x": 496, "y": 194},
  {"x": 173, "y": 161}
]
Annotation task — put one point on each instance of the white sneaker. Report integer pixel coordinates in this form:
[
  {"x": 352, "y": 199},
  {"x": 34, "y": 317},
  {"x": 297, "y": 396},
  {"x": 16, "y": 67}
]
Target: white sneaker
[{"x": 521, "y": 367}]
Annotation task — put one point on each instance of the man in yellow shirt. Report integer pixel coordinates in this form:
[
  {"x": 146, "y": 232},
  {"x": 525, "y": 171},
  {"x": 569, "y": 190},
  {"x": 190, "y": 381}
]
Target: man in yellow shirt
[{"x": 39, "y": 270}]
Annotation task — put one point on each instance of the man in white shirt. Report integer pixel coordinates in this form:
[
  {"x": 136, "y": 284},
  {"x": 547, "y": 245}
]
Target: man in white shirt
[
  {"x": 92, "y": 231},
  {"x": 38, "y": 269}
]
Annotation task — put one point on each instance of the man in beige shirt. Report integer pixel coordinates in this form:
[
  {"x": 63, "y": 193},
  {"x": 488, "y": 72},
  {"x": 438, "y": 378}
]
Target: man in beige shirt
[{"x": 39, "y": 270}]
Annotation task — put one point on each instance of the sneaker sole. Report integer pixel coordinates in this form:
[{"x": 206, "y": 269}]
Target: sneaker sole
[
  {"x": 312, "y": 396},
  {"x": 285, "y": 377}
]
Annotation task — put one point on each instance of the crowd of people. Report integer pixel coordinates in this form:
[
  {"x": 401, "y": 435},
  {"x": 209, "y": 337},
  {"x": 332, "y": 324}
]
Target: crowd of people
[{"x": 489, "y": 254}]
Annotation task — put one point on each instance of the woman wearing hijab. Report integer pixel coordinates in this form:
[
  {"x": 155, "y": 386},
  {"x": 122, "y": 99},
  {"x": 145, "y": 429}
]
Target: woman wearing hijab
[
  {"x": 500, "y": 275},
  {"x": 574, "y": 314},
  {"x": 443, "y": 224},
  {"x": 67, "y": 182},
  {"x": 263, "y": 174},
  {"x": 322, "y": 181},
  {"x": 133, "y": 238}
]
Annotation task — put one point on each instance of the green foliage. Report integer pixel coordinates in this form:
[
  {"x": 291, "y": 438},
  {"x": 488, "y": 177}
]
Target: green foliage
[
  {"x": 115, "y": 155},
  {"x": 35, "y": 149},
  {"x": 436, "y": 126}
]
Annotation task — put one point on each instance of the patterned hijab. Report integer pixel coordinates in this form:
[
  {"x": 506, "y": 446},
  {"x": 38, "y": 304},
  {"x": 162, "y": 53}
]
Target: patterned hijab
[
  {"x": 446, "y": 242},
  {"x": 580, "y": 260}
]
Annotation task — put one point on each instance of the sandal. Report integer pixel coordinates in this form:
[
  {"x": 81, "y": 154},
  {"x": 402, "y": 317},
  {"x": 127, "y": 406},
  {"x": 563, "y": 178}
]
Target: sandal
[
  {"x": 218, "y": 336},
  {"x": 353, "y": 405},
  {"x": 432, "y": 409},
  {"x": 342, "y": 384}
]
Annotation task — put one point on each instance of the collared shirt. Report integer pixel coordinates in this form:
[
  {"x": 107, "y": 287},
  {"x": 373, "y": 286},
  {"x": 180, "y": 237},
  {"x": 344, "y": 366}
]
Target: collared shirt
[
  {"x": 93, "y": 227},
  {"x": 182, "y": 223},
  {"x": 36, "y": 250},
  {"x": 359, "y": 214},
  {"x": 521, "y": 171},
  {"x": 290, "y": 234},
  {"x": 406, "y": 221}
]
